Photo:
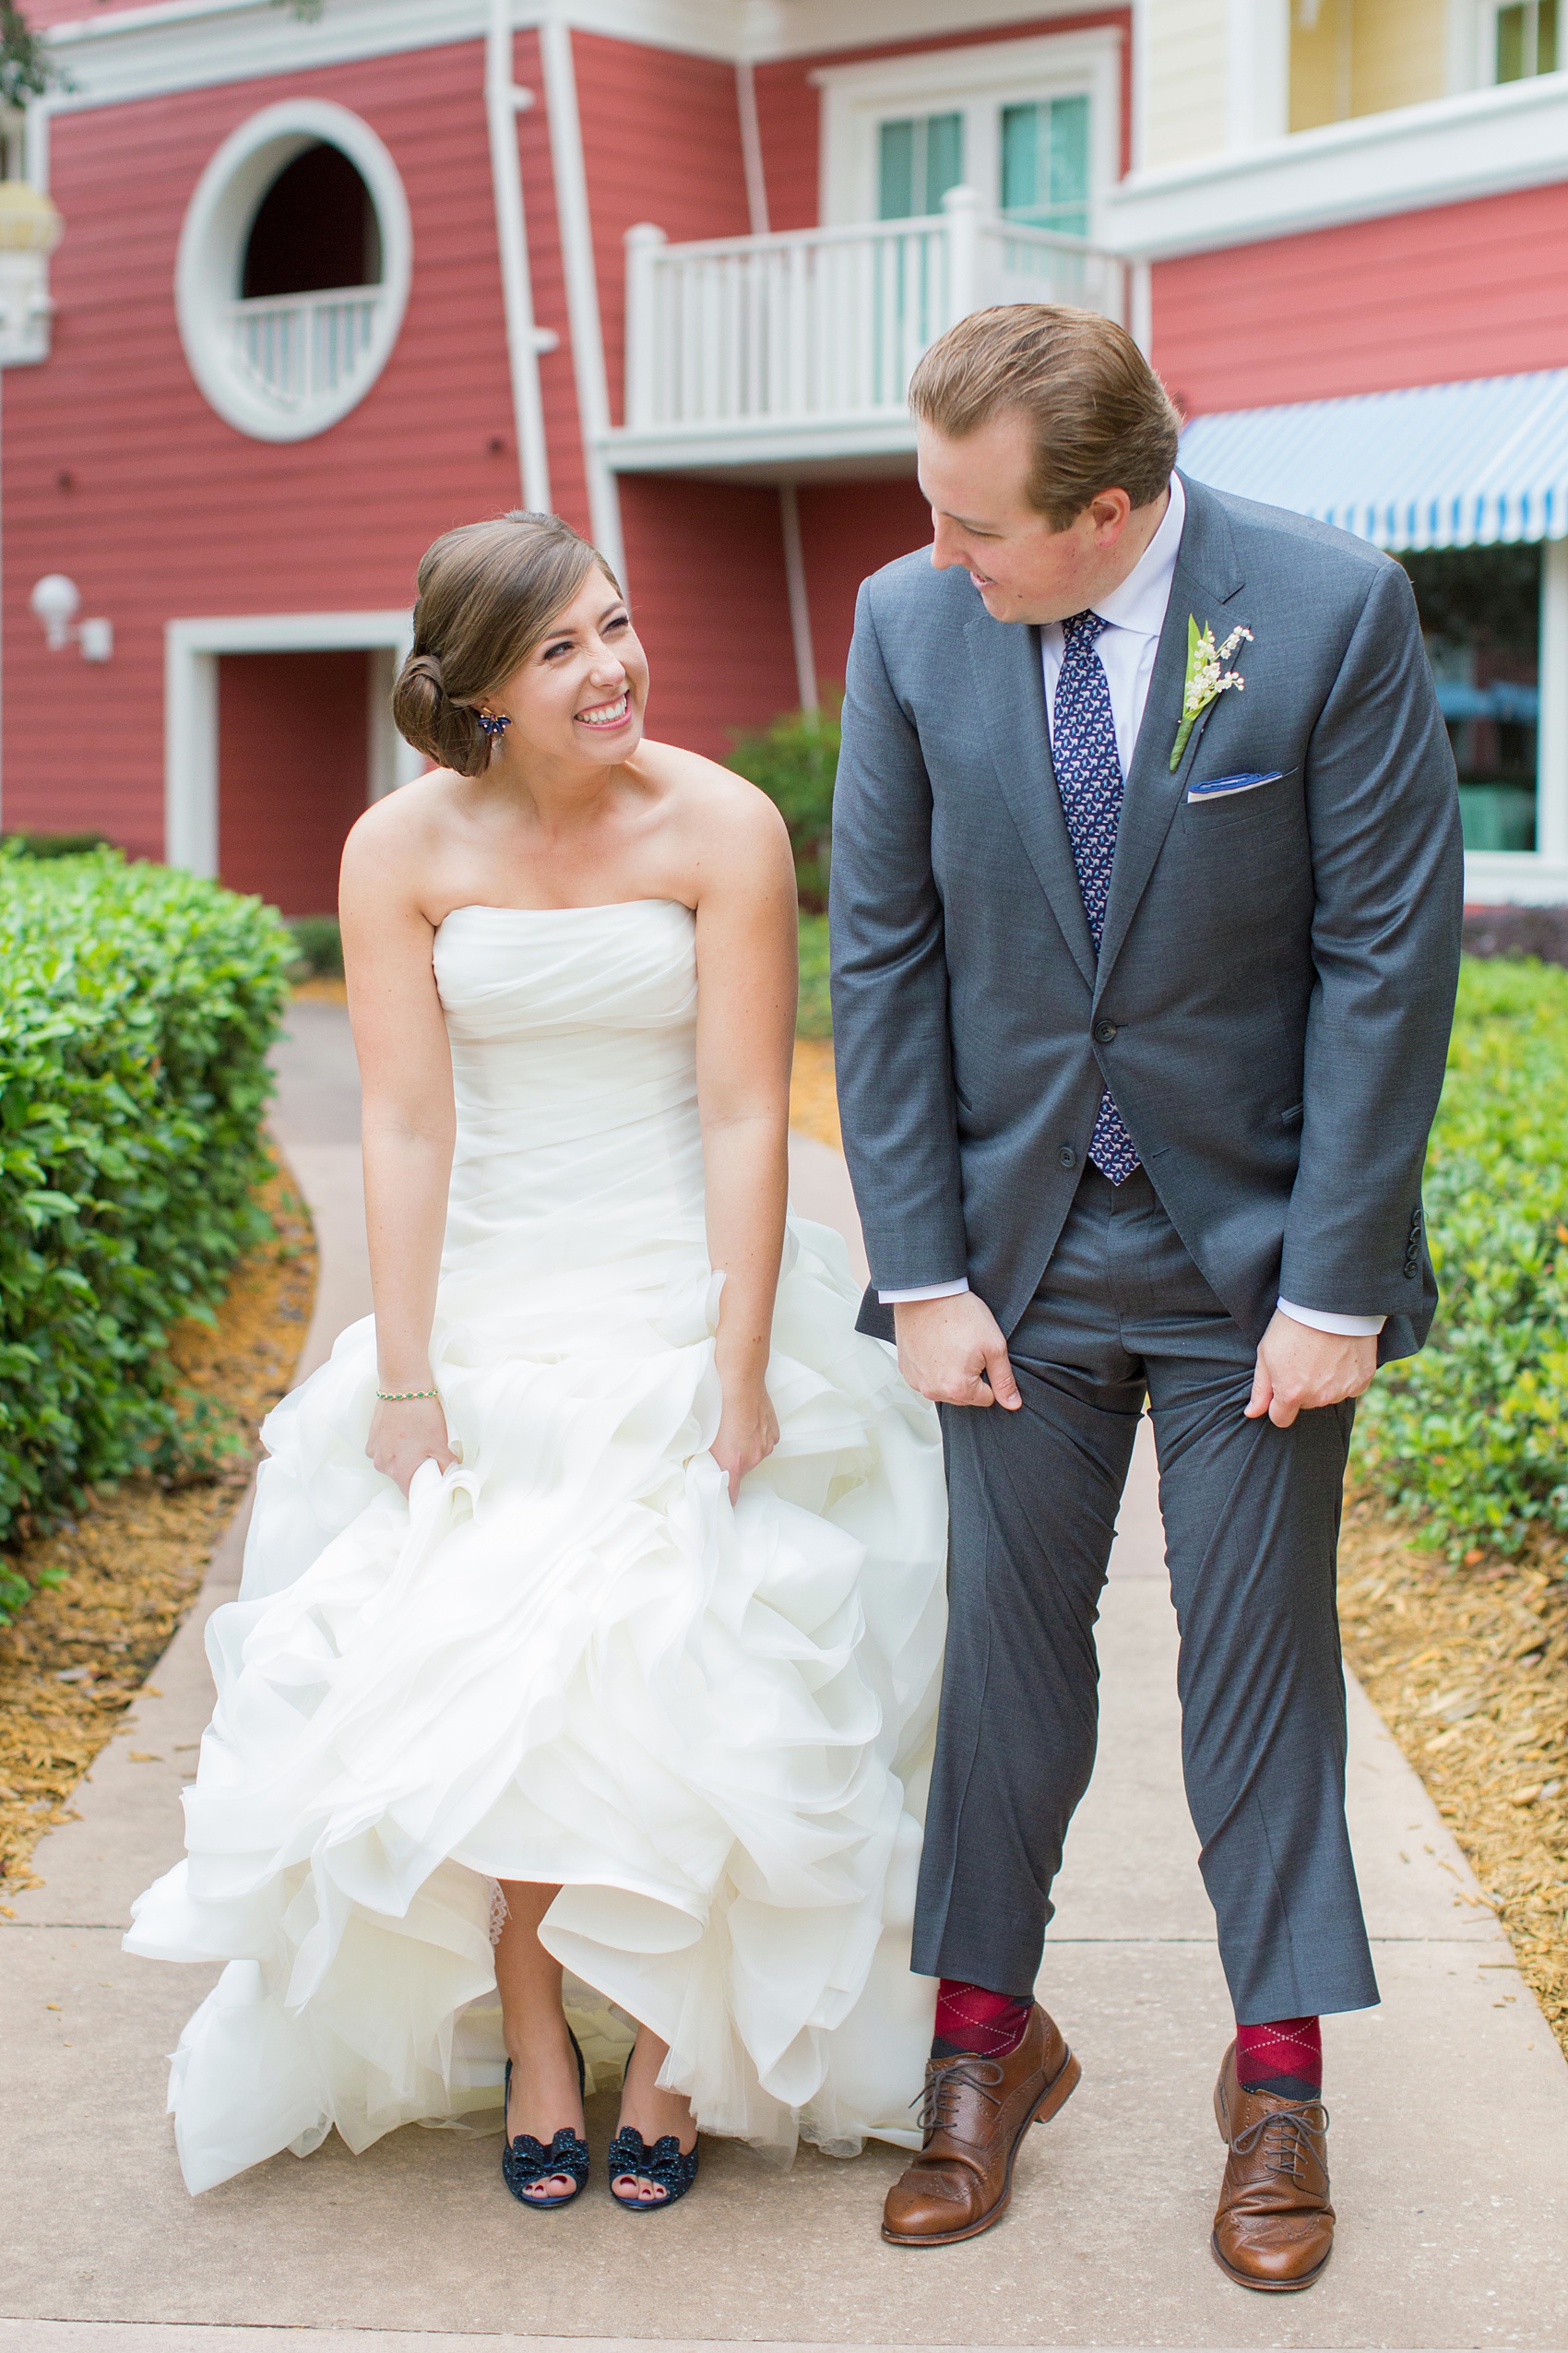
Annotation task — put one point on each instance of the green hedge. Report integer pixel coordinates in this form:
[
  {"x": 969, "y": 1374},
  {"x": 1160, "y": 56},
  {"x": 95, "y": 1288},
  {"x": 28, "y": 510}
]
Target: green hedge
[
  {"x": 795, "y": 762},
  {"x": 1471, "y": 1436},
  {"x": 137, "y": 1007}
]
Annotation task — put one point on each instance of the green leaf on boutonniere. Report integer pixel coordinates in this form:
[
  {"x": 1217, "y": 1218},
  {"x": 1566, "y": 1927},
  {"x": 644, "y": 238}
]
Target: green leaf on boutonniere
[{"x": 1207, "y": 677}]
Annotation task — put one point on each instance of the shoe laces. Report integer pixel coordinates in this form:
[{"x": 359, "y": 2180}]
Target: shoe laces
[
  {"x": 1290, "y": 2137},
  {"x": 945, "y": 2079}
]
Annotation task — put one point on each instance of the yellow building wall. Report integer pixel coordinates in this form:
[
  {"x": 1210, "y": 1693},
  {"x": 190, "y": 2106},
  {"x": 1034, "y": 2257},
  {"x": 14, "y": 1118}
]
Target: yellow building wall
[
  {"x": 1184, "y": 80},
  {"x": 1365, "y": 56}
]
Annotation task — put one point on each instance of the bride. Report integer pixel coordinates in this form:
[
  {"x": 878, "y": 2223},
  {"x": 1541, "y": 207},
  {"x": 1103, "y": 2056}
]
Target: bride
[{"x": 593, "y": 1604}]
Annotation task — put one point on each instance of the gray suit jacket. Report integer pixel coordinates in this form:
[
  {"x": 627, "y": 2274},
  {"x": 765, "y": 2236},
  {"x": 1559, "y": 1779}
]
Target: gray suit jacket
[{"x": 1272, "y": 999}]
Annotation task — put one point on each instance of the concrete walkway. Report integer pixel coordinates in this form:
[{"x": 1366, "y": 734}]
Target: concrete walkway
[{"x": 1450, "y": 2103}]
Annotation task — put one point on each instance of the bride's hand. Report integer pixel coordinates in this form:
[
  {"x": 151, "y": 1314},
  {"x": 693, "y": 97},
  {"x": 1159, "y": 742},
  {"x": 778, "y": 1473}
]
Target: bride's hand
[
  {"x": 748, "y": 1432},
  {"x": 404, "y": 1435}
]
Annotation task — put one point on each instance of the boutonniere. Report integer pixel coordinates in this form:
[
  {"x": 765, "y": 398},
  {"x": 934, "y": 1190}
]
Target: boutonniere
[{"x": 1207, "y": 677}]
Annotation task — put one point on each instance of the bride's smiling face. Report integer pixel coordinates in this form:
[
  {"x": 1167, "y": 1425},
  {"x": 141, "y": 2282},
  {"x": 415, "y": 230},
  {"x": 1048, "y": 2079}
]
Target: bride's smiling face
[{"x": 581, "y": 693}]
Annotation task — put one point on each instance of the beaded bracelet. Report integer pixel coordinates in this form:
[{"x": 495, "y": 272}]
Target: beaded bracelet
[{"x": 404, "y": 1396}]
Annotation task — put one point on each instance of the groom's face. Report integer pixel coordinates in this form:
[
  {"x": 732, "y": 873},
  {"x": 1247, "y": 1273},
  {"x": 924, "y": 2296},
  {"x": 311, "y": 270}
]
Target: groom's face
[{"x": 984, "y": 524}]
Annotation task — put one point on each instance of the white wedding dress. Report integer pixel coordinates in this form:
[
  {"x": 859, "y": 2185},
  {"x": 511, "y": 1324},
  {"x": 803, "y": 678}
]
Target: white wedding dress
[{"x": 568, "y": 1660}]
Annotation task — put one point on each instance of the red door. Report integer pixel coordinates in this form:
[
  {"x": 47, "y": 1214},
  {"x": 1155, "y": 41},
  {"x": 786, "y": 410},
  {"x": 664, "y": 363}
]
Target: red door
[{"x": 294, "y": 772}]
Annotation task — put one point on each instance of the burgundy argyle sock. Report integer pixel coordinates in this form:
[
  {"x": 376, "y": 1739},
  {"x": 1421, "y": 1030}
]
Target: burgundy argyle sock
[
  {"x": 1284, "y": 2056},
  {"x": 968, "y": 2018}
]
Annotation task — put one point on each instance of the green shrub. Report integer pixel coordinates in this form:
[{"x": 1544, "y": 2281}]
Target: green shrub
[
  {"x": 814, "y": 1018},
  {"x": 318, "y": 947},
  {"x": 1471, "y": 1436},
  {"x": 795, "y": 762},
  {"x": 53, "y": 845},
  {"x": 137, "y": 1007}
]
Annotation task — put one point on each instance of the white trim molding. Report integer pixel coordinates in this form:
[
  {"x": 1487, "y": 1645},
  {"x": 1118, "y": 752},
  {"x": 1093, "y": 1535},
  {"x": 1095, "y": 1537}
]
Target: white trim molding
[
  {"x": 1481, "y": 143},
  {"x": 193, "y": 45},
  {"x": 191, "y": 649},
  {"x": 286, "y": 370}
]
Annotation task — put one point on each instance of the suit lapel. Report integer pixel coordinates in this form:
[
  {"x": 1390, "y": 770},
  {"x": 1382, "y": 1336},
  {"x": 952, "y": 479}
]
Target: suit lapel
[
  {"x": 1010, "y": 682},
  {"x": 1207, "y": 577}
]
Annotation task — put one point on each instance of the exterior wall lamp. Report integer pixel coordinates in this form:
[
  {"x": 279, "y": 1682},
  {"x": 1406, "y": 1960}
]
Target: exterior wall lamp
[{"x": 56, "y": 601}]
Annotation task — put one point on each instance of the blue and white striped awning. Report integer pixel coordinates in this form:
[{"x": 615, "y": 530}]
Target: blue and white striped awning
[{"x": 1442, "y": 465}]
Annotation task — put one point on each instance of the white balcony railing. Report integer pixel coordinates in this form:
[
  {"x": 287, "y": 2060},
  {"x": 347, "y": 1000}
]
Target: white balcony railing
[
  {"x": 300, "y": 352},
  {"x": 750, "y": 338}
]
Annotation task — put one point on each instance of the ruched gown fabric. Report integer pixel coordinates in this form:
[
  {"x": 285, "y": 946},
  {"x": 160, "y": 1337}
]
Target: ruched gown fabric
[{"x": 569, "y": 1659}]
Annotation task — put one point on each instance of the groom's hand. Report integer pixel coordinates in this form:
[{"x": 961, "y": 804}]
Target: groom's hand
[
  {"x": 1300, "y": 1368},
  {"x": 952, "y": 1352}
]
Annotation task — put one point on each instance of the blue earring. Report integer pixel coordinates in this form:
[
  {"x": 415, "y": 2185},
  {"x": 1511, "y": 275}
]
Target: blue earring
[{"x": 493, "y": 723}]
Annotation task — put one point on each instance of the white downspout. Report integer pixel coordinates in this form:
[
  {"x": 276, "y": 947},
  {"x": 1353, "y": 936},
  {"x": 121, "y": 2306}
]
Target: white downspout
[
  {"x": 582, "y": 289},
  {"x": 800, "y": 604},
  {"x": 751, "y": 148},
  {"x": 795, "y": 582},
  {"x": 502, "y": 103}
]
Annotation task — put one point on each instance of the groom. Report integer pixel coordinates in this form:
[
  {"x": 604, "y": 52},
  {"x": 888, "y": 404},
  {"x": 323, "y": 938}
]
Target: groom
[{"x": 1147, "y": 886}]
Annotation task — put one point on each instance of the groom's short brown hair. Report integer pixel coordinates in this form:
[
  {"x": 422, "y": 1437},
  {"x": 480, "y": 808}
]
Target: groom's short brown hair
[{"x": 1101, "y": 417}]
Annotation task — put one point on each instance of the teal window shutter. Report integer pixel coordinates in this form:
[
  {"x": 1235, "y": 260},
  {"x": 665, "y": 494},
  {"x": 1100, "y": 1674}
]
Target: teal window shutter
[
  {"x": 1045, "y": 164},
  {"x": 919, "y": 159}
]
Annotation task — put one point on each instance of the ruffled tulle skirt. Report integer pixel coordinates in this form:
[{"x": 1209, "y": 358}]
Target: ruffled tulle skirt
[{"x": 569, "y": 1660}]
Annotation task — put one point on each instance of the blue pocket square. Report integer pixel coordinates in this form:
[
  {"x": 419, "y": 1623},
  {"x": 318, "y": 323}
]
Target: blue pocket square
[{"x": 1217, "y": 787}]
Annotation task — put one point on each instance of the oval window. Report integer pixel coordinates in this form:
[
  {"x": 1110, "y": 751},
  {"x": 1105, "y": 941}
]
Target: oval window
[{"x": 293, "y": 270}]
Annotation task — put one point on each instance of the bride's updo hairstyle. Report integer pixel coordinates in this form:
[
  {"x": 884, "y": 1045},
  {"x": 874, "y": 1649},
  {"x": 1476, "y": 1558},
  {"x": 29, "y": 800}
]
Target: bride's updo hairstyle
[{"x": 487, "y": 594}]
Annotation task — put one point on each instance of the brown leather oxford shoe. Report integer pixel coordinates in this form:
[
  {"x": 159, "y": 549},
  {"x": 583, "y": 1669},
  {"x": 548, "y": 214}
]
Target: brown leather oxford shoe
[
  {"x": 974, "y": 2114},
  {"x": 1274, "y": 2227}
]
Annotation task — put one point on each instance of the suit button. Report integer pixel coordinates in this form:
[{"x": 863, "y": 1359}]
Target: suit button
[
  {"x": 1104, "y": 1031},
  {"x": 1067, "y": 1156}
]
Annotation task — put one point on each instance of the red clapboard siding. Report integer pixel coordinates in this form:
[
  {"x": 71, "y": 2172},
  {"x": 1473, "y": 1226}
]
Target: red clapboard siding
[
  {"x": 789, "y": 104},
  {"x": 119, "y": 473},
  {"x": 293, "y": 754},
  {"x": 1463, "y": 289},
  {"x": 848, "y": 532},
  {"x": 662, "y": 142},
  {"x": 707, "y": 564}
]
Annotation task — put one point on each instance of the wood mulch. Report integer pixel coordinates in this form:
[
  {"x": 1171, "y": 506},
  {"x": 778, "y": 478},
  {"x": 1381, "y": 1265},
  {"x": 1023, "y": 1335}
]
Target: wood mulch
[
  {"x": 1468, "y": 1669},
  {"x": 814, "y": 1103},
  {"x": 78, "y": 1652}
]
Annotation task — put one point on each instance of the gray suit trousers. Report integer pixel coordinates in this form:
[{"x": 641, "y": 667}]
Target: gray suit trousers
[{"x": 1251, "y": 1518}]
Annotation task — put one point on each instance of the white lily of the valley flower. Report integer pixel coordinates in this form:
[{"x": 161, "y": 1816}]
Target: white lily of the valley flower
[{"x": 1207, "y": 677}]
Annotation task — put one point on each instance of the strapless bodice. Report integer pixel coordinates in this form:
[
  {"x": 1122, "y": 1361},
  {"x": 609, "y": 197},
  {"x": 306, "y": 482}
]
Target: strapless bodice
[
  {"x": 565, "y": 1020},
  {"x": 579, "y": 1148}
]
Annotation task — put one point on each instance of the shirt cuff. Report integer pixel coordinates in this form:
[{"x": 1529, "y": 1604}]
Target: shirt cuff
[
  {"x": 1324, "y": 1319},
  {"x": 927, "y": 1291}
]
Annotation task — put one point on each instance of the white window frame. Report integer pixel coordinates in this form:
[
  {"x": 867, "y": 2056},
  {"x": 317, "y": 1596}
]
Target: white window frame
[
  {"x": 191, "y": 650},
  {"x": 212, "y": 241},
  {"x": 1483, "y": 17},
  {"x": 976, "y": 81}
]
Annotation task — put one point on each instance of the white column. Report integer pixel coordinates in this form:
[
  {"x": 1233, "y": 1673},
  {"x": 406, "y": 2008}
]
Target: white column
[
  {"x": 502, "y": 103},
  {"x": 751, "y": 148},
  {"x": 1552, "y": 740},
  {"x": 582, "y": 289},
  {"x": 1258, "y": 93},
  {"x": 644, "y": 245},
  {"x": 962, "y": 208},
  {"x": 799, "y": 603}
]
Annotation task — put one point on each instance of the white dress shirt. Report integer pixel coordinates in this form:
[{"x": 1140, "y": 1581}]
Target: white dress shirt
[{"x": 1135, "y": 616}]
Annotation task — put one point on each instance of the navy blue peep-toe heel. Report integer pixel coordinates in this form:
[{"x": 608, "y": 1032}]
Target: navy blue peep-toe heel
[
  {"x": 673, "y": 2168},
  {"x": 525, "y": 2161}
]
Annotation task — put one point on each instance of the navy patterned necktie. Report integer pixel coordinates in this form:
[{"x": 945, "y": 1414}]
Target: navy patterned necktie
[{"x": 1089, "y": 780}]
